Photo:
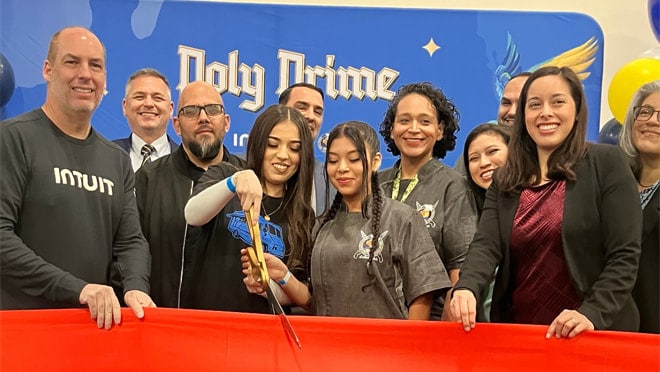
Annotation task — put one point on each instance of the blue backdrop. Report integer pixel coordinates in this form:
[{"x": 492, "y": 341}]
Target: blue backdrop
[{"x": 360, "y": 56}]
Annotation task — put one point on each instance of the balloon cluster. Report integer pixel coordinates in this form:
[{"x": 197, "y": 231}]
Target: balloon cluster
[
  {"x": 628, "y": 79},
  {"x": 7, "y": 83}
]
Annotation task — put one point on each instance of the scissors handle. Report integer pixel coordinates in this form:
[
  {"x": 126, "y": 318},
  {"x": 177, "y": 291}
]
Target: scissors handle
[{"x": 259, "y": 271}]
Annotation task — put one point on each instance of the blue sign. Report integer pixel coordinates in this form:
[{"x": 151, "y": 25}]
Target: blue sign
[{"x": 358, "y": 56}]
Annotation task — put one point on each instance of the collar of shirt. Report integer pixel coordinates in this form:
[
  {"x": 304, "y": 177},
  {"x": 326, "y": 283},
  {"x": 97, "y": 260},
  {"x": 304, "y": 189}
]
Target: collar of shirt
[{"x": 161, "y": 144}]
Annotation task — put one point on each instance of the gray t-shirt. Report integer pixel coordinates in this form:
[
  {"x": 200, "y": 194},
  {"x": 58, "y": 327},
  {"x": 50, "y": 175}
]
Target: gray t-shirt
[
  {"x": 406, "y": 261},
  {"x": 443, "y": 198}
]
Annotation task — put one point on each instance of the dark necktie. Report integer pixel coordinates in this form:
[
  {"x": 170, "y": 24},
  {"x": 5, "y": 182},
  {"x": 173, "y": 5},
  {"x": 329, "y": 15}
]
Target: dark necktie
[{"x": 146, "y": 152}]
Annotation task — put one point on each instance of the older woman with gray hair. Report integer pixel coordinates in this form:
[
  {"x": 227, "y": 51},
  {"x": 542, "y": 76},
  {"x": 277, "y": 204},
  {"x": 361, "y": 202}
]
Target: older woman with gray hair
[{"x": 640, "y": 141}]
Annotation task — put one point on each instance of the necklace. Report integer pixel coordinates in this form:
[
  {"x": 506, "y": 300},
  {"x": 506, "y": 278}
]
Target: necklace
[{"x": 266, "y": 214}]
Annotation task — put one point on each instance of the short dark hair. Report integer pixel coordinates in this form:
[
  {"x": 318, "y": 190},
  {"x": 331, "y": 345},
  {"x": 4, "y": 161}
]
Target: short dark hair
[
  {"x": 284, "y": 96},
  {"x": 147, "y": 71},
  {"x": 445, "y": 110},
  {"x": 526, "y": 74}
]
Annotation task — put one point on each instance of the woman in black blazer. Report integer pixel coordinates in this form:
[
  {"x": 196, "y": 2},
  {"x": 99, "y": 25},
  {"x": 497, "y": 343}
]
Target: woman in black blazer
[
  {"x": 562, "y": 221},
  {"x": 640, "y": 140}
]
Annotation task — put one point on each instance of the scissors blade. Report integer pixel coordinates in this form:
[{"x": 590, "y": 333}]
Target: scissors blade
[{"x": 277, "y": 308}]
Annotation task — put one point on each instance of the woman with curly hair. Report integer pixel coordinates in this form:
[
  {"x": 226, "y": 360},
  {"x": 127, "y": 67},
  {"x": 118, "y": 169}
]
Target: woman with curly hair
[{"x": 420, "y": 126}]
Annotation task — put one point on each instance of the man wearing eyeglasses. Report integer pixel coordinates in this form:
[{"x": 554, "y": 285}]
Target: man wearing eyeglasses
[
  {"x": 148, "y": 107},
  {"x": 164, "y": 186}
]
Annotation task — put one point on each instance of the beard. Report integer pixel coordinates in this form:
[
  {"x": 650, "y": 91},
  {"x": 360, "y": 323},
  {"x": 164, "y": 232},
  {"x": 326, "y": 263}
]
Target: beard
[{"x": 205, "y": 150}]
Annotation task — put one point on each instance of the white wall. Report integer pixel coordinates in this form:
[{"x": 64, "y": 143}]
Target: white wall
[{"x": 626, "y": 28}]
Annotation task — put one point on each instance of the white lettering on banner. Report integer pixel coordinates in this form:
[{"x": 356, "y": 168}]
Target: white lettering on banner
[
  {"x": 240, "y": 140},
  {"x": 356, "y": 82},
  {"x": 238, "y": 79},
  {"x": 224, "y": 78}
]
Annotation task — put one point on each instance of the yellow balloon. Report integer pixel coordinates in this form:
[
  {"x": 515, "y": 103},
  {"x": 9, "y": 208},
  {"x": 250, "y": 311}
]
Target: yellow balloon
[{"x": 627, "y": 80}]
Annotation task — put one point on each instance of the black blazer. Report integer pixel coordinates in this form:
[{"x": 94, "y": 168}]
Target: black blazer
[
  {"x": 601, "y": 233},
  {"x": 125, "y": 143},
  {"x": 647, "y": 288}
]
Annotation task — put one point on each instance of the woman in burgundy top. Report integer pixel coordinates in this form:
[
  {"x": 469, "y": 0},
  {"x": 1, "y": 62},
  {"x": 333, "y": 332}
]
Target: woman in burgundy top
[{"x": 562, "y": 221}]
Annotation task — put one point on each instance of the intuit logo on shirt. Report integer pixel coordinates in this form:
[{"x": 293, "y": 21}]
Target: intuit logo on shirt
[{"x": 83, "y": 181}]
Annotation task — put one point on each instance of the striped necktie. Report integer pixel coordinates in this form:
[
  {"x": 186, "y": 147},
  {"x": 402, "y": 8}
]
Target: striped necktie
[{"x": 146, "y": 152}]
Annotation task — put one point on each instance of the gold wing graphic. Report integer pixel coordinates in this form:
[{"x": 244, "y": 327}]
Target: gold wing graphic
[{"x": 579, "y": 58}]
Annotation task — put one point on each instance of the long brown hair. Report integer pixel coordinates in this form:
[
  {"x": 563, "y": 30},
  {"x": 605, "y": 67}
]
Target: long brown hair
[
  {"x": 522, "y": 167},
  {"x": 298, "y": 190}
]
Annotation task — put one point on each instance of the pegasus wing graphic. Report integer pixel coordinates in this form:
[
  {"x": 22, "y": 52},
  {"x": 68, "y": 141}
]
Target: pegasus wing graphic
[
  {"x": 578, "y": 59},
  {"x": 510, "y": 66}
]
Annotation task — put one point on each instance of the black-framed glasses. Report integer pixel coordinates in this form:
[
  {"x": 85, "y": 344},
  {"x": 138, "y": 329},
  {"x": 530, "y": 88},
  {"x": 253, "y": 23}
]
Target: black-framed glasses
[
  {"x": 645, "y": 113},
  {"x": 193, "y": 111}
]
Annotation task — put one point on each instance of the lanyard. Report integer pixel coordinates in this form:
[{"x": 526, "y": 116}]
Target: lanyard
[{"x": 409, "y": 189}]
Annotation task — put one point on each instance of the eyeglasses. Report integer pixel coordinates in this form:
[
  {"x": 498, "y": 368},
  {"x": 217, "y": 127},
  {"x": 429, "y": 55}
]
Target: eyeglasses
[
  {"x": 193, "y": 111},
  {"x": 645, "y": 113}
]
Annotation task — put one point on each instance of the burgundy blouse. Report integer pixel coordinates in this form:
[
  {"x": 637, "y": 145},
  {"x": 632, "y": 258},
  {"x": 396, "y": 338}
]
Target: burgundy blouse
[{"x": 542, "y": 285}]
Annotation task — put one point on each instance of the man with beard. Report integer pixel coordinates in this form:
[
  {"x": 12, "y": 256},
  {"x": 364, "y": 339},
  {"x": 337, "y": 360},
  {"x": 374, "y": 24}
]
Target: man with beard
[{"x": 164, "y": 186}]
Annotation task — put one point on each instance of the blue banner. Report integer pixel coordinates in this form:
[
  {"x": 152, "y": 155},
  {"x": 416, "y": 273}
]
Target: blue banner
[{"x": 358, "y": 56}]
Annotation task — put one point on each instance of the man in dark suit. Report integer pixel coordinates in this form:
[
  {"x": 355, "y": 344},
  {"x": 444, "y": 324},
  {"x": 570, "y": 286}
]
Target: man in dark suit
[
  {"x": 308, "y": 100},
  {"x": 148, "y": 107}
]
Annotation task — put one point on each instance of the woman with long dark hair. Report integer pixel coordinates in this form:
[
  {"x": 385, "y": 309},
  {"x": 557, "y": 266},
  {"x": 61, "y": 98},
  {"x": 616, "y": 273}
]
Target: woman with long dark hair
[
  {"x": 280, "y": 163},
  {"x": 372, "y": 256},
  {"x": 484, "y": 151},
  {"x": 562, "y": 221}
]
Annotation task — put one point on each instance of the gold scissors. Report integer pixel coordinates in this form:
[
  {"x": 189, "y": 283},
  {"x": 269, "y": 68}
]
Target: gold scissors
[{"x": 259, "y": 272}]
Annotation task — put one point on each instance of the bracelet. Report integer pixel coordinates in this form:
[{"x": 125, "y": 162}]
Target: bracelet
[
  {"x": 230, "y": 185},
  {"x": 285, "y": 279}
]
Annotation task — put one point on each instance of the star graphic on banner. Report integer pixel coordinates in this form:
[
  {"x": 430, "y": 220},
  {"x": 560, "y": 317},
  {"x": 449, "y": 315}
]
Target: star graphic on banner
[{"x": 431, "y": 47}]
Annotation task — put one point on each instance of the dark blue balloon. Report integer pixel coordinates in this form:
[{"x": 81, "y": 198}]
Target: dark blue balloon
[
  {"x": 654, "y": 17},
  {"x": 7, "y": 83},
  {"x": 610, "y": 133}
]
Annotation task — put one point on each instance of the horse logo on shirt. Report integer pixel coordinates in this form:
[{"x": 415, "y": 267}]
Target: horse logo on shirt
[
  {"x": 365, "y": 244},
  {"x": 427, "y": 211}
]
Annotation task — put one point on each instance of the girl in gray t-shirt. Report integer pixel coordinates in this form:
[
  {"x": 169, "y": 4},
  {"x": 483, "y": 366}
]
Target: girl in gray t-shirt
[{"x": 350, "y": 275}]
